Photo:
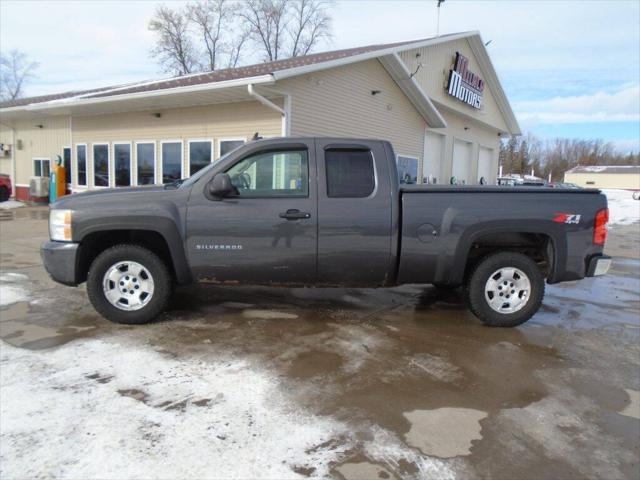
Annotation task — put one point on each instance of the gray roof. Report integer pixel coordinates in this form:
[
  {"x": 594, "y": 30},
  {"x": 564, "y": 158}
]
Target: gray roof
[
  {"x": 631, "y": 169},
  {"x": 213, "y": 76}
]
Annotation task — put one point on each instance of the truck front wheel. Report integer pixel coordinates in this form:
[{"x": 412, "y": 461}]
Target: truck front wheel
[
  {"x": 129, "y": 284},
  {"x": 505, "y": 289}
]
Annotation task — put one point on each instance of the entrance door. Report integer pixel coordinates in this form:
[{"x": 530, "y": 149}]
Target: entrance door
[
  {"x": 485, "y": 161},
  {"x": 461, "y": 169},
  {"x": 267, "y": 234}
]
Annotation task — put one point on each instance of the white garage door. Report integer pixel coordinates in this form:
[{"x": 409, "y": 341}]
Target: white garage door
[
  {"x": 462, "y": 163},
  {"x": 485, "y": 162},
  {"x": 433, "y": 158}
]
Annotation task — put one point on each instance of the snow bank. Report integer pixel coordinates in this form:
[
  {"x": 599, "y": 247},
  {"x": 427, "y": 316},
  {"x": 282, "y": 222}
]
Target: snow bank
[
  {"x": 10, "y": 290},
  {"x": 623, "y": 209},
  {"x": 9, "y": 204}
]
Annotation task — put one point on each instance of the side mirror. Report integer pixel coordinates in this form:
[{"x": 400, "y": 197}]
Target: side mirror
[{"x": 220, "y": 186}]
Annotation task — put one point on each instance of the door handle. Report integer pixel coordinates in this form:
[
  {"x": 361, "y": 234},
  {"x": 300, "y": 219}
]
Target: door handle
[{"x": 294, "y": 214}]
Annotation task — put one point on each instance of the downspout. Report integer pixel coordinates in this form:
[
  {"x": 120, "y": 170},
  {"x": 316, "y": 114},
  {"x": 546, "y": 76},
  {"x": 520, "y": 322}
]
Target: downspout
[{"x": 286, "y": 128}]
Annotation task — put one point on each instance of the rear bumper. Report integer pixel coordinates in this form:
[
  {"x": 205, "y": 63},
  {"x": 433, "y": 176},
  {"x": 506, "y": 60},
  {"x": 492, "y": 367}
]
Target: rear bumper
[
  {"x": 60, "y": 261},
  {"x": 598, "y": 265}
]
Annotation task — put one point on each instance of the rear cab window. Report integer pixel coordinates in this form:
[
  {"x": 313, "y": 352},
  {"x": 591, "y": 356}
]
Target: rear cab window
[{"x": 350, "y": 173}]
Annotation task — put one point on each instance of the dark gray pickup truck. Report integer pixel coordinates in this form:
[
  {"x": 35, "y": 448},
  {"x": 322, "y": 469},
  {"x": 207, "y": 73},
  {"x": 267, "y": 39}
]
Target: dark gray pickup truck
[{"x": 323, "y": 212}]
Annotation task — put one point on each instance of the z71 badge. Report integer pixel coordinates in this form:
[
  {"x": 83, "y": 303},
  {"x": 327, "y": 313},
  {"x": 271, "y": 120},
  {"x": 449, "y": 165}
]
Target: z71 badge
[{"x": 570, "y": 218}]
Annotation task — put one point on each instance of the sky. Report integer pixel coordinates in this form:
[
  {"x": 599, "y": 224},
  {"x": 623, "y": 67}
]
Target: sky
[{"x": 569, "y": 68}]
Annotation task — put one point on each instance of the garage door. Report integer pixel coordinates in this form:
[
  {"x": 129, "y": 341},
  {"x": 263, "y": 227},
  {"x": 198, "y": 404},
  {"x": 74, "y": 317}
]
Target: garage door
[
  {"x": 485, "y": 162},
  {"x": 433, "y": 158},
  {"x": 462, "y": 163}
]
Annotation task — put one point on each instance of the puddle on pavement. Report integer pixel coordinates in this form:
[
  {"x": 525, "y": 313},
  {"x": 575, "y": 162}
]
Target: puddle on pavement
[
  {"x": 267, "y": 315},
  {"x": 314, "y": 363},
  {"x": 633, "y": 408},
  {"x": 444, "y": 432},
  {"x": 364, "y": 471}
]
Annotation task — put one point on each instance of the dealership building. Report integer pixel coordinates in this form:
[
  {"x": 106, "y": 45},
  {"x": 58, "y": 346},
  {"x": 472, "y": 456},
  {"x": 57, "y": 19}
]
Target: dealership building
[
  {"x": 625, "y": 177},
  {"x": 438, "y": 100}
]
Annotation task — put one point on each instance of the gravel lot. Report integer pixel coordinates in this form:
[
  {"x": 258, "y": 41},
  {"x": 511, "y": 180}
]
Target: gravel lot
[{"x": 345, "y": 383}]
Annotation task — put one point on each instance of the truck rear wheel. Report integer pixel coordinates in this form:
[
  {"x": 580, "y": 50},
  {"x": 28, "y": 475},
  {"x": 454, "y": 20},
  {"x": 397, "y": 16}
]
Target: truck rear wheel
[
  {"x": 129, "y": 284},
  {"x": 505, "y": 289}
]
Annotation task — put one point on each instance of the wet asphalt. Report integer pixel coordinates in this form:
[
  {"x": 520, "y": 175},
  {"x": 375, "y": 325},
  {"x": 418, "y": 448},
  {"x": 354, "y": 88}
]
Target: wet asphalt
[{"x": 555, "y": 398}]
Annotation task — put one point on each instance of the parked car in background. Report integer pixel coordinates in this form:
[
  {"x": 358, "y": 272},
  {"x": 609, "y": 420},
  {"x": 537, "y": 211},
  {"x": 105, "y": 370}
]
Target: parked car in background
[
  {"x": 323, "y": 212},
  {"x": 563, "y": 185},
  {"x": 6, "y": 189}
]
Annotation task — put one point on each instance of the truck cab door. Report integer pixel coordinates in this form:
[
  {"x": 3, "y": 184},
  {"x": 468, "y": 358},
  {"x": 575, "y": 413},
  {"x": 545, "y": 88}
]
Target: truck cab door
[
  {"x": 267, "y": 233},
  {"x": 355, "y": 217}
]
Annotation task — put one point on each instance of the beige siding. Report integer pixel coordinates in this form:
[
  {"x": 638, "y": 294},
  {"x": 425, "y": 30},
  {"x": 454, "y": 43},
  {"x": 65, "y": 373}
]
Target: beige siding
[
  {"x": 45, "y": 142},
  {"x": 225, "y": 121},
  {"x": 437, "y": 61},
  {"x": 339, "y": 103},
  {"x": 5, "y": 161},
  {"x": 627, "y": 181}
]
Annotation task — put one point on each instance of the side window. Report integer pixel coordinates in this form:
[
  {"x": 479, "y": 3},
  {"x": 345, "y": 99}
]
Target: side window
[
  {"x": 66, "y": 159},
  {"x": 349, "y": 173},
  {"x": 407, "y": 170},
  {"x": 272, "y": 174},
  {"x": 81, "y": 154}
]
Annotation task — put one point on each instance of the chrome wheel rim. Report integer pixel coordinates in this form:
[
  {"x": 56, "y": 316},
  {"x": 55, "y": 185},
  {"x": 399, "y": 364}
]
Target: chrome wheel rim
[
  {"x": 507, "y": 290},
  {"x": 128, "y": 285}
]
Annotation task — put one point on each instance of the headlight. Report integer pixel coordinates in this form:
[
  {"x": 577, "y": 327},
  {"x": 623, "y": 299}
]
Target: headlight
[{"x": 60, "y": 225}]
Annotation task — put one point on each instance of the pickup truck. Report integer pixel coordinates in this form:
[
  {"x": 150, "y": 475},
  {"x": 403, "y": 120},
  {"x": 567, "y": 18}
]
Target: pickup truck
[{"x": 304, "y": 212}]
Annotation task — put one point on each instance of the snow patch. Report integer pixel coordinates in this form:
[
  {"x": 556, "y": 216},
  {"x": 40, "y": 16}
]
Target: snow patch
[
  {"x": 11, "y": 204},
  {"x": 9, "y": 291},
  {"x": 623, "y": 209},
  {"x": 136, "y": 413}
]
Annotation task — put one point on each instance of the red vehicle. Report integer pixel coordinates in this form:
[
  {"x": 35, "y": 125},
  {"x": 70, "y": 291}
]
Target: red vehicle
[{"x": 5, "y": 187}]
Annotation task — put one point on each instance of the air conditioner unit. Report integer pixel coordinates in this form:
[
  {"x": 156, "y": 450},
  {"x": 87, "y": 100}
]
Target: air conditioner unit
[{"x": 39, "y": 186}]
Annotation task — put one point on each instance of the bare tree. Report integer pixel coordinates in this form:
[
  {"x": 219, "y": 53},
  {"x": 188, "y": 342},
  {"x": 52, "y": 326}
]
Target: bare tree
[
  {"x": 211, "y": 18},
  {"x": 174, "y": 47},
  {"x": 236, "y": 47},
  {"x": 310, "y": 23},
  {"x": 16, "y": 69},
  {"x": 267, "y": 20}
]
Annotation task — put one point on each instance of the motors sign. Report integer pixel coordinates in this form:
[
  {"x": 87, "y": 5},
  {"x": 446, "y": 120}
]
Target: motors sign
[{"x": 464, "y": 84}]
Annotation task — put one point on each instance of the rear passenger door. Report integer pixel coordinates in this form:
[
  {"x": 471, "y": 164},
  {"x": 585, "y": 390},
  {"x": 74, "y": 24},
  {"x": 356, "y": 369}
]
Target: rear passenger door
[{"x": 354, "y": 213}]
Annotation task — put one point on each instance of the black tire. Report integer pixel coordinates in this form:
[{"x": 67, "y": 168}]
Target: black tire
[
  {"x": 478, "y": 302},
  {"x": 4, "y": 194},
  {"x": 150, "y": 261}
]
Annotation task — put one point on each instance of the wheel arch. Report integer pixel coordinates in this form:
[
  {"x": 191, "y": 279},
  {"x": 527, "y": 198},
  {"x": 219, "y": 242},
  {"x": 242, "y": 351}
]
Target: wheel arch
[{"x": 538, "y": 240}]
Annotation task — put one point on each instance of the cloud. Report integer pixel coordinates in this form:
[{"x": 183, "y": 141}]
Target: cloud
[{"x": 622, "y": 105}]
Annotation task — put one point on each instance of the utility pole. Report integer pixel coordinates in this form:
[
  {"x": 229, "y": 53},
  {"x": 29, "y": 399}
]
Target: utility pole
[{"x": 440, "y": 2}]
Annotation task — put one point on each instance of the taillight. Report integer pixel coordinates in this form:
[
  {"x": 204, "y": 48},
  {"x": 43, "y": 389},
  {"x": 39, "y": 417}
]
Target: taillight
[{"x": 600, "y": 228}]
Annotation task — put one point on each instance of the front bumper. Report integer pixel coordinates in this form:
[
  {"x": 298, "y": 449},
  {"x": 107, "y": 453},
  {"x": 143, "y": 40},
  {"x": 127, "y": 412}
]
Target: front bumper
[
  {"x": 60, "y": 260},
  {"x": 598, "y": 265}
]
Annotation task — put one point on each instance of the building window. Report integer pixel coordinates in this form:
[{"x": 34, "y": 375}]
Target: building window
[
  {"x": 171, "y": 156},
  {"x": 230, "y": 145},
  {"x": 146, "y": 160},
  {"x": 122, "y": 163},
  {"x": 200, "y": 154},
  {"x": 101, "y": 164},
  {"x": 272, "y": 174},
  {"x": 81, "y": 154},
  {"x": 349, "y": 173},
  {"x": 407, "y": 170},
  {"x": 66, "y": 162},
  {"x": 41, "y": 167}
]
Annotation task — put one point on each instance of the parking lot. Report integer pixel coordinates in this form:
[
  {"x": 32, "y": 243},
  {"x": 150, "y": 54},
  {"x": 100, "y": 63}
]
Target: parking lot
[{"x": 252, "y": 382}]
